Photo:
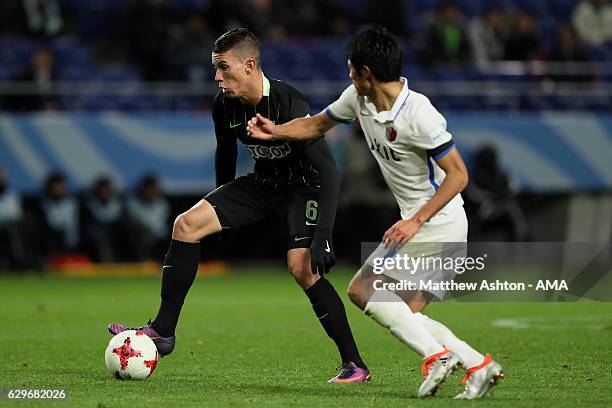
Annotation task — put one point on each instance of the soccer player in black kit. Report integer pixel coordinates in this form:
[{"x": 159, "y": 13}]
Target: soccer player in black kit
[{"x": 297, "y": 182}]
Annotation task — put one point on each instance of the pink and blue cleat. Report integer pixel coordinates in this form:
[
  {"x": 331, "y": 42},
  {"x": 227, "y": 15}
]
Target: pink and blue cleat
[
  {"x": 164, "y": 345},
  {"x": 350, "y": 373}
]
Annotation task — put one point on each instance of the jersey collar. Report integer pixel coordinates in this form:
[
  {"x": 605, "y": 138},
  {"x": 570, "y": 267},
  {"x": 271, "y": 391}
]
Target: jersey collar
[
  {"x": 400, "y": 102},
  {"x": 266, "y": 86}
]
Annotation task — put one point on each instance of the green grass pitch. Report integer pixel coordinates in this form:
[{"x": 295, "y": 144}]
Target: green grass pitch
[{"x": 250, "y": 339}]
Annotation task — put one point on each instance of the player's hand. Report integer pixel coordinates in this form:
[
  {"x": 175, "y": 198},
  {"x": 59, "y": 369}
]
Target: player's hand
[
  {"x": 260, "y": 127},
  {"x": 322, "y": 256},
  {"x": 401, "y": 232}
]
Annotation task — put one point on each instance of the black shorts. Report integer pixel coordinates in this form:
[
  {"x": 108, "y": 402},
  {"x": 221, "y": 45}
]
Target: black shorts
[{"x": 244, "y": 202}]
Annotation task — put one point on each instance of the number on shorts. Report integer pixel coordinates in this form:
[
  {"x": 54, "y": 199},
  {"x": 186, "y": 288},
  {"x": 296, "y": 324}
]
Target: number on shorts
[{"x": 312, "y": 210}]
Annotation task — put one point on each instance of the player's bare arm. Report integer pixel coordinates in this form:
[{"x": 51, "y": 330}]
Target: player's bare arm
[
  {"x": 310, "y": 127},
  {"x": 455, "y": 181}
]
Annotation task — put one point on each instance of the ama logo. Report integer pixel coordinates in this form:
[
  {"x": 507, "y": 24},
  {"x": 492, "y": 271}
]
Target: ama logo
[{"x": 391, "y": 134}]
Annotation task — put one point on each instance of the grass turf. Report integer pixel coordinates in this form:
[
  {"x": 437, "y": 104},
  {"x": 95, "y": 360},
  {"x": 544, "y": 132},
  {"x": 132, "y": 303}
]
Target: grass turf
[{"x": 250, "y": 338}]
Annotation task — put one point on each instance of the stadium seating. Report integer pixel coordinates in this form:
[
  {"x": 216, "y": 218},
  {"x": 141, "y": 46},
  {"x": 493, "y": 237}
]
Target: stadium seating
[{"x": 295, "y": 60}]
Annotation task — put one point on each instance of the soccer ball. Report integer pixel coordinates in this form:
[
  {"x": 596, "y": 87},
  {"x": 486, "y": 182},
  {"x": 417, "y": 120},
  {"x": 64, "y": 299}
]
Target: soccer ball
[{"x": 131, "y": 355}]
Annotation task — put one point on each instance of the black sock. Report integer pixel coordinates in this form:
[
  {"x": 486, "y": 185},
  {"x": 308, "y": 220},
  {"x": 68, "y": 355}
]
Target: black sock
[
  {"x": 180, "y": 267},
  {"x": 329, "y": 309}
]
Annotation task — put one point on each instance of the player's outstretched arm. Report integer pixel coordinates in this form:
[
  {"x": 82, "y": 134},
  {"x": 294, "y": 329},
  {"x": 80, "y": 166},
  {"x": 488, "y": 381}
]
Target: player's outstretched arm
[{"x": 309, "y": 127}]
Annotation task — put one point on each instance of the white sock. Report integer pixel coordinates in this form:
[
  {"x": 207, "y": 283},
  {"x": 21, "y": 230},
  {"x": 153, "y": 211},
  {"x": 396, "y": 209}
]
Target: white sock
[
  {"x": 443, "y": 335},
  {"x": 391, "y": 312}
]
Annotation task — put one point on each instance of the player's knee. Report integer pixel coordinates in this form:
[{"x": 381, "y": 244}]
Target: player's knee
[
  {"x": 184, "y": 227},
  {"x": 303, "y": 276},
  {"x": 355, "y": 294}
]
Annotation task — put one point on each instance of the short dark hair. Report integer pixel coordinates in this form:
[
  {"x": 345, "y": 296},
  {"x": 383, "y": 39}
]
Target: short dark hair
[
  {"x": 242, "y": 41},
  {"x": 375, "y": 47}
]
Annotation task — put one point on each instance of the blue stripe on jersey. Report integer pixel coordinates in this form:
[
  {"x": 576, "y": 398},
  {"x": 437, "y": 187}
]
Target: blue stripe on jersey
[
  {"x": 333, "y": 117},
  {"x": 432, "y": 179},
  {"x": 444, "y": 153}
]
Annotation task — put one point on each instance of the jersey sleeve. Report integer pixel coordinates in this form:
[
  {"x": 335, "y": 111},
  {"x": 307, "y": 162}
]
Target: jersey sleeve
[
  {"x": 227, "y": 146},
  {"x": 343, "y": 109},
  {"x": 299, "y": 107},
  {"x": 430, "y": 132}
]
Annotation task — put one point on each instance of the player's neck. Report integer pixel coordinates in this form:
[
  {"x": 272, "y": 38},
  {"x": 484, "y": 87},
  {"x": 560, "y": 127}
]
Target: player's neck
[
  {"x": 254, "y": 92},
  {"x": 384, "y": 94}
]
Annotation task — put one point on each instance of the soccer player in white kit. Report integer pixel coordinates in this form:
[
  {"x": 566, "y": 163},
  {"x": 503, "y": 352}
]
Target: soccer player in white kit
[{"x": 426, "y": 174}]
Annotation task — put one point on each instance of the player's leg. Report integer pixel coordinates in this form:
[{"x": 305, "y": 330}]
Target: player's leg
[
  {"x": 326, "y": 302},
  {"x": 298, "y": 263},
  {"x": 181, "y": 262},
  {"x": 391, "y": 310},
  {"x": 329, "y": 309},
  {"x": 361, "y": 289},
  {"x": 178, "y": 273},
  {"x": 468, "y": 355},
  {"x": 234, "y": 205}
]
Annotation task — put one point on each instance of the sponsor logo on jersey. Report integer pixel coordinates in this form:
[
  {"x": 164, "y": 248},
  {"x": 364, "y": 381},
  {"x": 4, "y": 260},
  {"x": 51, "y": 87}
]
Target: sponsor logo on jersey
[
  {"x": 269, "y": 152},
  {"x": 384, "y": 152}
]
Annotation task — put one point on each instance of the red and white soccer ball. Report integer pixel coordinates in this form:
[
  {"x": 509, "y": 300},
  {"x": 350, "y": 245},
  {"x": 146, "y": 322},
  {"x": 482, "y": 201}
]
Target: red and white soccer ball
[{"x": 131, "y": 355}]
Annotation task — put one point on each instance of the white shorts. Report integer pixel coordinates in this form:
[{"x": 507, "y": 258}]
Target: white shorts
[{"x": 442, "y": 238}]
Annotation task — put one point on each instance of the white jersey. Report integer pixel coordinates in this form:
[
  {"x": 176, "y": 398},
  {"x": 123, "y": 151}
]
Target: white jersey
[{"x": 405, "y": 141}]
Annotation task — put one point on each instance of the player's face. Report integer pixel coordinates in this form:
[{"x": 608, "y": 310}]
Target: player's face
[
  {"x": 362, "y": 85},
  {"x": 230, "y": 73}
]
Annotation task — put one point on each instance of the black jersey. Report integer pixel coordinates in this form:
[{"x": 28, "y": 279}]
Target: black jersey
[{"x": 277, "y": 163}]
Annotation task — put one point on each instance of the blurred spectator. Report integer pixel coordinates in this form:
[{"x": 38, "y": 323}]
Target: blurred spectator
[
  {"x": 569, "y": 49},
  {"x": 487, "y": 36},
  {"x": 267, "y": 19},
  {"x": 149, "y": 211},
  {"x": 60, "y": 212},
  {"x": 523, "y": 42},
  {"x": 334, "y": 23},
  {"x": 43, "y": 17},
  {"x": 190, "y": 50},
  {"x": 593, "y": 21},
  {"x": 102, "y": 223},
  {"x": 12, "y": 250},
  {"x": 11, "y": 18},
  {"x": 393, "y": 15},
  {"x": 446, "y": 39},
  {"x": 490, "y": 192},
  {"x": 42, "y": 75},
  {"x": 146, "y": 26}
]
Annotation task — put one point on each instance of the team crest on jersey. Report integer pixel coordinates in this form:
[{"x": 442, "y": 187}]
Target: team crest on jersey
[{"x": 391, "y": 134}]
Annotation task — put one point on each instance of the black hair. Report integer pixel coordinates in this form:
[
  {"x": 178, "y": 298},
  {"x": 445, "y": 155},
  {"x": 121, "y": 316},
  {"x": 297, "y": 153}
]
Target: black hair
[
  {"x": 147, "y": 181},
  {"x": 55, "y": 177},
  {"x": 242, "y": 41},
  {"x": 102, "y": 182},
  {"x": 375, "y": 47}
]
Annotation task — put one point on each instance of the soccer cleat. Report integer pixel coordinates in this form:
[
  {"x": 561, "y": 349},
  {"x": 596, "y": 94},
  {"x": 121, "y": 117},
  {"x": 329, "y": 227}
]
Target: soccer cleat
[
  {"x": 350, "y": 373},
  {"x": 481, "y": 378},
  {"x": 436, "y": 368},
  {"x": 164, "y": 345}
]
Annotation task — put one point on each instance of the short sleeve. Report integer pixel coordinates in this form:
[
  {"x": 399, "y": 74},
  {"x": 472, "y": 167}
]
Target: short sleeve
[
  {"x": 343, "y": 109},
  {"x": 430, "y": 128},
  {"x": 299, "y": 108}
]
